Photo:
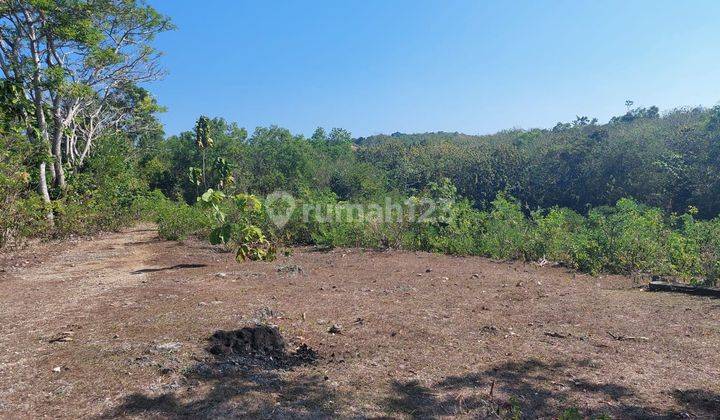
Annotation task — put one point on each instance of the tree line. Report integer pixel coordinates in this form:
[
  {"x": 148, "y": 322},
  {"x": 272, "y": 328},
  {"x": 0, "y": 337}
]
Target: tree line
[{"x": 669, "y": 161}]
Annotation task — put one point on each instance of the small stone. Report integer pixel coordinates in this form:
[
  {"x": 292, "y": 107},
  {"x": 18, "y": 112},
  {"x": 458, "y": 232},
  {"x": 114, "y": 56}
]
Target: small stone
[
  {"x": 57, "y": 369},
  {"x": 171, "y": 346},
  {"x": 335, "y": 329},
  {"x": 220, "y": 275}
]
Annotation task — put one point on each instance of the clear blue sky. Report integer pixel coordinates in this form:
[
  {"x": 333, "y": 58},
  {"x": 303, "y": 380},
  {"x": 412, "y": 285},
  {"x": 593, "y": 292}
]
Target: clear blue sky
[{"x": 379, "y": 66}]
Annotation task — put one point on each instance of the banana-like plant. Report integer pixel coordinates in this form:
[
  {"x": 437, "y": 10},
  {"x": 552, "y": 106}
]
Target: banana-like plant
[{"x": 203, "y": 141}]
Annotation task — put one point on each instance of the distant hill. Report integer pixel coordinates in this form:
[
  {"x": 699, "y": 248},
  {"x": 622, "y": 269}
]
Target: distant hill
[{"x": 418, "y": 138}]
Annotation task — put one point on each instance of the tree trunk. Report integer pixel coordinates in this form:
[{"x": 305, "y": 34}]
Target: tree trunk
[
  {"x": 46, "y": 194},
  {"x": 661, "y": 286},
  {"x": 59, "y": 176},
  {"x": 59, "y": 172}
]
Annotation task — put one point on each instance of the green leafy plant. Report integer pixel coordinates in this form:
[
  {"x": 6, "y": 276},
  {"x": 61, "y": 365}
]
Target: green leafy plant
[{"x": 238, "y": 230}]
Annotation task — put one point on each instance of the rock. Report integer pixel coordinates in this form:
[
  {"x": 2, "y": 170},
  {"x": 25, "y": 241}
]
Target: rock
[
  {"x": 57, "y": 369},
  {"x": 489, "y": 329},
  {"x": 62, "y": 337},
  {"x": 265, "y": 313},
  {"x": 290, "y": 269},
  {"x": 170, "y": 346},
  {"x": 476, "y": 276},
  {"x": 221, "y": 275},
  {"x": 429, "y": 270},
  {"x": 335, "y": 329}
]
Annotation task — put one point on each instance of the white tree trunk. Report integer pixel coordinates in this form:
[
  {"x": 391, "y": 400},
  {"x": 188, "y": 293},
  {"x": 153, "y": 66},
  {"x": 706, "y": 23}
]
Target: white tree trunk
[{"x": 46, "y": 194}]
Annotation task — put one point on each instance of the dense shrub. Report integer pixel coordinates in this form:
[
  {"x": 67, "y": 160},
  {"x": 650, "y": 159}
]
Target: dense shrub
[
  {"x": 176, "y": 221},
  {"x": 505, "y": 230},
  {"x": 625, "y": 238}
]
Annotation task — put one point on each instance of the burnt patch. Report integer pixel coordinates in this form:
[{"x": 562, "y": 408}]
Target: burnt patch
[{"x": 261, "y": 343}]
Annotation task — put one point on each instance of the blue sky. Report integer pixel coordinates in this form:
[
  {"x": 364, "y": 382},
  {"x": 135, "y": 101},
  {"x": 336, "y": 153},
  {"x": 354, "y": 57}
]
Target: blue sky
[{"x": 375, "y": 66}]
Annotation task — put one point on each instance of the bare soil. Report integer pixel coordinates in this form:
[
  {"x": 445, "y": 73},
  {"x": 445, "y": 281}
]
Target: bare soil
[{"x": 120, "y": 325}]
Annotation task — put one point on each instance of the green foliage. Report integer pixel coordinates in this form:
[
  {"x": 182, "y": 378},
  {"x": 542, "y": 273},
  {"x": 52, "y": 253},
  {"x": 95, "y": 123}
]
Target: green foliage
[
  {"x": 176, "y": 221},
  {"x": 202, "y": 133},
  {"x": 21, "y": 212},
  {"x": 441, "y": 222},
  {"x": 561, "y": 235},
  {"x": 100, "y": 197},
  {"x": 630, "y": 235},
  {"x": 505, "y": 229},
  {"x": 624, "y": 238},
  {"x": 572, "y": 413},
  {"x": 666, "y": 161},
  {"x": 254, "y": 246},
  {"x": 233, "y": 219},
  {"x": 560, "y": 196}
]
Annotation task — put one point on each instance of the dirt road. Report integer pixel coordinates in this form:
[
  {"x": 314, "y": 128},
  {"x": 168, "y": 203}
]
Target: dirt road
[{"x": 118, "y": 325}]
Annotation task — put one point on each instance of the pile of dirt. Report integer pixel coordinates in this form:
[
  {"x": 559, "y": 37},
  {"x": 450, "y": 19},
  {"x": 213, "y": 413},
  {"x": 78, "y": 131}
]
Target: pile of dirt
[{"x": 259, "y": 341}]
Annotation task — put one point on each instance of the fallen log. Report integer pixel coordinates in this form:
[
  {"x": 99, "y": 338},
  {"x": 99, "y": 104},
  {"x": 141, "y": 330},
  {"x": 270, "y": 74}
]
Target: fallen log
[{"x": 661, "y": 286}]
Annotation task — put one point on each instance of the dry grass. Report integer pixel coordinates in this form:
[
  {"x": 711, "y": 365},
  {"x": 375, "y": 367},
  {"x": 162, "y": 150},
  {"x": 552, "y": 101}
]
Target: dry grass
[{"x": 126, "y": 318}]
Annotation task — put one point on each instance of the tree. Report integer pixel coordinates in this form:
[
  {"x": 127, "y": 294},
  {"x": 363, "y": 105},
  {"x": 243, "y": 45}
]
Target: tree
[
  {"x": 76, "y": 60},
  {"x": 319, "y": 135}
]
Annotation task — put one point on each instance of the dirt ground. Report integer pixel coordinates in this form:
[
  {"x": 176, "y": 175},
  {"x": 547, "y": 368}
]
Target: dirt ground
[{"x": 118, "y": 326}]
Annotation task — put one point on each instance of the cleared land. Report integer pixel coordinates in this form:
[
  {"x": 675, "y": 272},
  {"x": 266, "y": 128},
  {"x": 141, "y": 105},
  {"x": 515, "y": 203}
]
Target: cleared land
[{"x": 118, "y": 325}]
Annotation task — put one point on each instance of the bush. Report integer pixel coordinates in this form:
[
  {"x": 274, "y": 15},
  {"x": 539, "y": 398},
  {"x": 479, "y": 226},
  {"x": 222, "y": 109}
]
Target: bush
[
  {"x": 703, "y": 246},
  {"x": 505, "y": 230},
  {"x": 625, "y": 238},
  {"x": 177, "y": 221},
  {"x": 631, "y": 236},
  {"x": 22, "y": 212},
  {"x": 561, "y": 235}
]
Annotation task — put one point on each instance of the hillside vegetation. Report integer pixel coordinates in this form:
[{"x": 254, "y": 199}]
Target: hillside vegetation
[
  {"x": 82, "y": 150},
  {"x": 637, "y": 194}
]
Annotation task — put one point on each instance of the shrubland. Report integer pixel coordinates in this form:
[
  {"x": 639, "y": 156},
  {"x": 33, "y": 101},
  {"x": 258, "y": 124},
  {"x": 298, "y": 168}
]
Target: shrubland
[
  {"x": 640, "y": 193},
  {"x": 498, "y": 210}
]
